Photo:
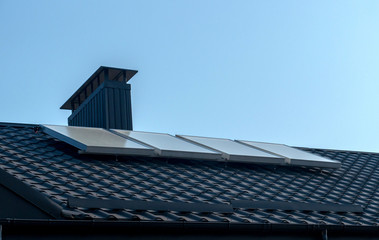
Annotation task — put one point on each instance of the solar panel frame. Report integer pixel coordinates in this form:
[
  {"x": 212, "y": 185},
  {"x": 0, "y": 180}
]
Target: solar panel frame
[
  {"x": 71, "y": 135},
  {"x": 294, "y": 156},
  {"x": 161, "y": 142},
  {"x": 259, "y": 157},
  {"x": 310, "y": 163}
]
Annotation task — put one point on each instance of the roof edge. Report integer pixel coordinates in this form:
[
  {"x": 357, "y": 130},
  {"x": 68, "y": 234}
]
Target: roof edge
[
  {"x": 30, "y": 194},
  {"x": 193, "y": 227}
]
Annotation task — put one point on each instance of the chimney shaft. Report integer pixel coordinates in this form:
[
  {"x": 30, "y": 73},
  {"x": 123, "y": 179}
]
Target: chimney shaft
[{"x": 103, "y": 101}]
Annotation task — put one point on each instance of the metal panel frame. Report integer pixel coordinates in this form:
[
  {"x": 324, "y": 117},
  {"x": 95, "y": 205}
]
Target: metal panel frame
[
  {"x": 119, "y": 151},
  {"x": 64, "y": 138},
  {"x": 312, "y": 163},
  {"x": 149, "y": 205},
  {"x": 74, "y": 202}
]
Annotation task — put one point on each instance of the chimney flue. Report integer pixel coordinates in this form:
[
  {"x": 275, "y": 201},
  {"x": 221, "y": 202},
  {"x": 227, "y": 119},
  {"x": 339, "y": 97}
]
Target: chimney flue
[{"x": 103, "y": 101}]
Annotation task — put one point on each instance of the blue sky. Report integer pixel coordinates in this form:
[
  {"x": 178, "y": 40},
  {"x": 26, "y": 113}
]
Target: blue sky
[{"x": 302, "y": 73}]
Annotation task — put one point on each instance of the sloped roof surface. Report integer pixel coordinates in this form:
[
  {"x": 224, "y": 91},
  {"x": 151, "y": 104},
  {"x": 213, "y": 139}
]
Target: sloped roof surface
[{"x": 57, "y": 171}]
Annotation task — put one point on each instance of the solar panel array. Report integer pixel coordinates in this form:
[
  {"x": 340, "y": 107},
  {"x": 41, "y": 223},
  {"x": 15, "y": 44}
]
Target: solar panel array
[{"x": 134, "y": 143}]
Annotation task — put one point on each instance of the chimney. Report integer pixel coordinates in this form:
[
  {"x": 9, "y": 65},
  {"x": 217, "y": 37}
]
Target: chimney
[{"x": 103, "y": 100}]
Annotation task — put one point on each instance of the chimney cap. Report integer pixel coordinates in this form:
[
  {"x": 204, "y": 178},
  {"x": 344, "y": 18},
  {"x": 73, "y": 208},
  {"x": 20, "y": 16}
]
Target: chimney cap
[{"x": 102, "y": 74}]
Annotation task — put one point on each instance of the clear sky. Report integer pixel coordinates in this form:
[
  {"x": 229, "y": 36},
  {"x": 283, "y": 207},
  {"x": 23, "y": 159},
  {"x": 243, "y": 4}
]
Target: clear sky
[{"x": 302, "y": 73}]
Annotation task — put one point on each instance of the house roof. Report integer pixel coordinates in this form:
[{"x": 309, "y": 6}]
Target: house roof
[{"x": 50, "y": 173}]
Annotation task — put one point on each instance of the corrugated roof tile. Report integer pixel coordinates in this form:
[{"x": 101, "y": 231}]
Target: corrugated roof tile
[{"x": 58, "y": 171}]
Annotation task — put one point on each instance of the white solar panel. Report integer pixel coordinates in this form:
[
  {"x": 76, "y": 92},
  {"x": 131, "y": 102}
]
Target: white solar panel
[
  {"x": 123, "y": 142},
  {"x": 294, "y": 156},
  {"x": 170, "y": 146},
  {"x": 97, "y": 140},
  {"x": 234, "y": 151}
]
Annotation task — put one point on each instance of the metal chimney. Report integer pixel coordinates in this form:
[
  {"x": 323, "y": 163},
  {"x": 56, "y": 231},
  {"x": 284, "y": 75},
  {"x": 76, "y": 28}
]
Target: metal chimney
[{"x": 103, "y": 100}]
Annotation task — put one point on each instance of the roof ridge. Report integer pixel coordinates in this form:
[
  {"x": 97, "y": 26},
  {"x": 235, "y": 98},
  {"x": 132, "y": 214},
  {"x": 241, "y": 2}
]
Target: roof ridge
[
  {"x": 11, "y": 124},
  {"x": 335, "y": 150}
]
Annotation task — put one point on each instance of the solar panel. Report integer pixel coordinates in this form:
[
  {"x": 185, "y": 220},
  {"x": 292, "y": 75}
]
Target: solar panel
[
  {"x": 170, "y": 146},
  {"x": 97, "y": 140},
  {"x": 294, "y": 156},
  {"x": 234, "y": 151},
  {"x": 124, "y": 142}
]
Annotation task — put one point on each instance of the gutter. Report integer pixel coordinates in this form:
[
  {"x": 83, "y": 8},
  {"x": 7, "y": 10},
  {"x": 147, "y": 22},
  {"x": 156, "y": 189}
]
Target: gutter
[{"x": 183, "y": 226}]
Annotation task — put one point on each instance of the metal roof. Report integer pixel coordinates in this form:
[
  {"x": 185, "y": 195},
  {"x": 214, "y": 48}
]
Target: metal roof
[{"x": 289, "y": 196}]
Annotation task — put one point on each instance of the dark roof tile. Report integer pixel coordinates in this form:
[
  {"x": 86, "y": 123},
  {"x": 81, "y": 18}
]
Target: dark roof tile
[{"x": 57, "y": 171}]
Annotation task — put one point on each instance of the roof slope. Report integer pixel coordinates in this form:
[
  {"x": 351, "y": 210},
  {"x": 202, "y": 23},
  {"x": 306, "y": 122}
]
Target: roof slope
[{"x": 58, "y": 172}]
